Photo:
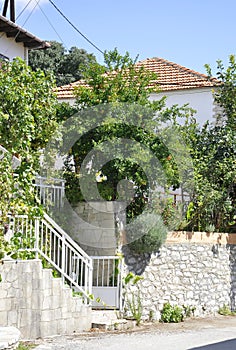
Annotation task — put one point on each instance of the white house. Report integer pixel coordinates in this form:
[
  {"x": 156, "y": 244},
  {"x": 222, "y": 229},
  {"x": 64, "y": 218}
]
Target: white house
[
  {"x": 16, "y": 41},
  {"x": 179, "y": 84}
]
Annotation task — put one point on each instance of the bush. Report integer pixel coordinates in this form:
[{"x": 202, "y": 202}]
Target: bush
[
  {"x": 146, "y": 233},
  {"x": 171, "y": 314},
  {"x": 225, "y": 311}
]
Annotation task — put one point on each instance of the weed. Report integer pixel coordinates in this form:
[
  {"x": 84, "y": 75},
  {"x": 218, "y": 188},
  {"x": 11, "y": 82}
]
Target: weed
[
  {"x": 226, "y": 311},
  {"x": 171, "y": 313},
  {"x": 135, "y": 307}
]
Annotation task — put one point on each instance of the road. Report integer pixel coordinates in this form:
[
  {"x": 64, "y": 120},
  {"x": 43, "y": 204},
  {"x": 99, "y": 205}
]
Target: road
[{"x": 207, "y": 337}]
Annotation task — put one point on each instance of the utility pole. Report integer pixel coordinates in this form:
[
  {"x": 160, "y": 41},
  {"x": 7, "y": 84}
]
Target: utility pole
[{"x": 12, "y": 9}]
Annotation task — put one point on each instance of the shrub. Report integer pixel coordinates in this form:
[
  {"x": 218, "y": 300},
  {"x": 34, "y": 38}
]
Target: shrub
[
  {"x": 225, "y": 311},
  {"x": 146, "y": 233},
  {"x": 171, "y": 313}
]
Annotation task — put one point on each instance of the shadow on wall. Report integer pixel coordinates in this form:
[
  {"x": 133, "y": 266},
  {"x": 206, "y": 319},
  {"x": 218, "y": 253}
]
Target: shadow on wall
[
  {"x": 232, "y": 261},
  {"x": 223, "y": 345},
  {"x": 136, "y": 263}
]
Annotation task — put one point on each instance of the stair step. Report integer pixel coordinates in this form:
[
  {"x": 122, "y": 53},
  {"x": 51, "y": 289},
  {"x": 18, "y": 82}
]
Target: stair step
[{"x": 108, "y": 321}]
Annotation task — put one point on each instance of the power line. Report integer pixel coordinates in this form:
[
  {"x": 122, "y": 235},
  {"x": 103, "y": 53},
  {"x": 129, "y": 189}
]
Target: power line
[
  {"x": 18, "y": 32},
  {"x": 77, "y": 30},
  {"x": 50, "y": 22},
  {"x": 23, "y": 9}
]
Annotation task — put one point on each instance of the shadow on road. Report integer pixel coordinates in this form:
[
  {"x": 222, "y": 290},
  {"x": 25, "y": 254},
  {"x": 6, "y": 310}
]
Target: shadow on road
[{"x": 223, "y": 345}]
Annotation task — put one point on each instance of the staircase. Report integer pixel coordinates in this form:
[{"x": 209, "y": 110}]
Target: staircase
[{"x": 49, "y": 242}]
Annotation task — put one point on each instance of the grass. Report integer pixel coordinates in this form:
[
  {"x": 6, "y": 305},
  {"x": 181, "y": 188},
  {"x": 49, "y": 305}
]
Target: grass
[
  {"x": 225, "y": 311},
  {"x": 25, "y": 346}
]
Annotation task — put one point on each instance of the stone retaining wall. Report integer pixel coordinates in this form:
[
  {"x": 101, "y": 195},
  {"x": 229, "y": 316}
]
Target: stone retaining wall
[
  {"x": 95, "y": 226},
  {"x": 200, "y": 275},
  {"x": 38, "y": 304}
]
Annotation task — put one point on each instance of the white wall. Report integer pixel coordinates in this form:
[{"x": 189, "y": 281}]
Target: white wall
[
  {"x": 199, "y": 99},
  {"x": 11, "y": 49}
]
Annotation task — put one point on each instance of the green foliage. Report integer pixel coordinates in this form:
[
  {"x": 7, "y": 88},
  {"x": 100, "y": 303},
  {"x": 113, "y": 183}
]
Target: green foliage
[
  {"x": 188, "y": 310},
  {"x": 226, "y": 311},
  {"x": 171, "y": 314},
  {"x": 66, "y": 66},
  {"x": 25, "y": 346},
  {"x": 135, "y": 307},
  {"x": 112, "y": 87},
  {"x": 225, "y": 92},
  {"x": 132, "y": 278},
  {"x": 27, "y": 121},
  {"x": 213, "y": 151},
  {"x": 17, "y": 247},
  {"x": 146, "y": 233}
]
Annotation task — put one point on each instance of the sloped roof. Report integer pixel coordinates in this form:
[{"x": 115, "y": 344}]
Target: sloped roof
[
  {"x": 170, "y": 76},
  {"x": 12, "y": 30}
]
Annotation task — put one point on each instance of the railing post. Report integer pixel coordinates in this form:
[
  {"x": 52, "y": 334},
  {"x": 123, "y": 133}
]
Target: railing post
[
  {"x": 90, "y": 278},
  {"x": 37, "y": 237},
  {"x": 63, "y": 257}
]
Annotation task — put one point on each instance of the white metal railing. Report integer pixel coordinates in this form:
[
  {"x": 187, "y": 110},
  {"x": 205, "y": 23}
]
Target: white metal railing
[
  {"x": 107, "y": 280},
  {"x": 49, "y": 241},
  {"x": 50, "y": 191},
  {"x": 107, "y": 271}
]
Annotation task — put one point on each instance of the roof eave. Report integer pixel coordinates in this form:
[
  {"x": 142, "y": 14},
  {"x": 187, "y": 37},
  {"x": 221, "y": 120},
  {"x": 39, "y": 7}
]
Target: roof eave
[{"x": 12, "y": 30}]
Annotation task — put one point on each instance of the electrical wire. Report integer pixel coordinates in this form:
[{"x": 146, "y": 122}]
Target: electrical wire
[
  {"x": 76, "y": 29},
  {"x": 15, "y": 37},
  {"x": 22, "y": 11},
  {"x": 50, "y": 23}
]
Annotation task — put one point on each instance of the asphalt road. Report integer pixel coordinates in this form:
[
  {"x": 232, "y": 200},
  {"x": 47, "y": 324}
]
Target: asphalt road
[{"x": 205, "y": 339}]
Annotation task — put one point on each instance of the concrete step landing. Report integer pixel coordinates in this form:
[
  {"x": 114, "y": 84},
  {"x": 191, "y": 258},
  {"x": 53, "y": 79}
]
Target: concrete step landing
[
  {"x": 109, "y": 320},
  {"x": 9, "y": 338}
]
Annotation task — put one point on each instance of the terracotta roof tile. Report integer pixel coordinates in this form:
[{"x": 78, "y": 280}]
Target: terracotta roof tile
[{"x": 170, "y": 76}]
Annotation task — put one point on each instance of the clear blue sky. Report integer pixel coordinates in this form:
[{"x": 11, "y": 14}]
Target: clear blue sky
[{"x": 188, "y": 32}]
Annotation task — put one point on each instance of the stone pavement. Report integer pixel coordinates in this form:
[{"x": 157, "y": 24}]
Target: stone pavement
[{"x": 208, "y": 334}]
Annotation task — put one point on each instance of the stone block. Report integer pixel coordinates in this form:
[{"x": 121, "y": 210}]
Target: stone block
[
  {"x": 3, "y": 294},
  {"x": 47, "y": 316},
  {"x": 3, "y": 318},
  {"x": 61, "y": 326},
  {"x": 58, "y": 314},
  {"x": 47, "y": 302},
  {"x": 25, "y": 318},
  {"x": 48, "y": 328},
  {"x": 12, "y": 317},
  {"x": 5, "y": 304}
]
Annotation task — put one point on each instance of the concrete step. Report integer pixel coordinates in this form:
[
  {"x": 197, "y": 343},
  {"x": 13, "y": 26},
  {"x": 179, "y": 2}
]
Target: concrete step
[
  {"x": 108, "y": 320},
  {"x": 9, "y": 337}
]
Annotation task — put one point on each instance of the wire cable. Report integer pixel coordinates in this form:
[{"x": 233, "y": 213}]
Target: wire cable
[
  {"x": 50, "y": 23},
  {"x": 76, "y": 29},
  {"x": 7, "y": 49},
  {"x": 22, "y": 11}
]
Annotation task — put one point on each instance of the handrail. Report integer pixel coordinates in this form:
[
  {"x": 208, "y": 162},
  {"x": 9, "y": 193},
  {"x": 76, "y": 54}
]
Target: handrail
[
  {"x": 68, "y": 238},
  {"x": 49, "y": 241}
]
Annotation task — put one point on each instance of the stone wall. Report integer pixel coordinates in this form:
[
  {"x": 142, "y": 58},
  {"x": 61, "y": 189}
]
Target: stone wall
[
  {"x": 38, "y": 304},
  {"x": 97, "y": 229},
  {"x": 196, "y": 274}
]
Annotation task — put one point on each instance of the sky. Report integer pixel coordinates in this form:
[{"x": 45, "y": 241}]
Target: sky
[{"x": 188, "y": 32}]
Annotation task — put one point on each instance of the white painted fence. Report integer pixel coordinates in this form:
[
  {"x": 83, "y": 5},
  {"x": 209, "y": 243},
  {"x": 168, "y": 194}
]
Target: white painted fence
[
  {"x": 107, "y": 281},
  {"x": 49, "y": 241},
  {"x": 50, "y": 191}
]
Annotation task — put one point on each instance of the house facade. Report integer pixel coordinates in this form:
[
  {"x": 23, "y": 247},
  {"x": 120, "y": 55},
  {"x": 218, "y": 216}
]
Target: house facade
[
  {"x": 179, "y": 84},
  {"x": 15, "y": 41}
]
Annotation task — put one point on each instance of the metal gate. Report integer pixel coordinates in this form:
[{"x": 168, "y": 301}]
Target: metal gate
[{"x": 107, "y": 282}]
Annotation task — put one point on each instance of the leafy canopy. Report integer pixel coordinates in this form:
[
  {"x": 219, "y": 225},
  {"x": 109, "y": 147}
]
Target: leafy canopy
[
  {"x": 107, "y": 86},
  {"x": 27, "y": 121},
  {"x": 66, "y": 66}
]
